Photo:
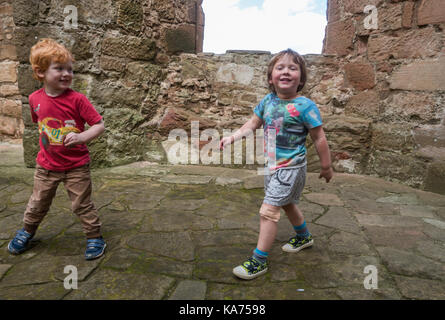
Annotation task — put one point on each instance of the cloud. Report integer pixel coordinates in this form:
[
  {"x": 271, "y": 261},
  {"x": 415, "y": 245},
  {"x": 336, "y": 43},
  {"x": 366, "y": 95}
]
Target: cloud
[{"x": 277, "y": 25}]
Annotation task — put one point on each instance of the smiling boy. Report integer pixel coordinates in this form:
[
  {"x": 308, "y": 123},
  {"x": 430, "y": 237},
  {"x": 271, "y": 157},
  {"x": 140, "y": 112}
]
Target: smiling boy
[
  {"x": 289, "y": 117},
  {"x": 61, "y": 114}
]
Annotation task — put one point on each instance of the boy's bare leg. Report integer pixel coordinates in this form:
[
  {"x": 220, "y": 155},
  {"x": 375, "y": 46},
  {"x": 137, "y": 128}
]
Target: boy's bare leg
[
  {"x": 268, "y": 232},
  {"x": 303, "y": 238},
  {"x": 294, "y": 214},
  {"x": 257, "y": 264}
]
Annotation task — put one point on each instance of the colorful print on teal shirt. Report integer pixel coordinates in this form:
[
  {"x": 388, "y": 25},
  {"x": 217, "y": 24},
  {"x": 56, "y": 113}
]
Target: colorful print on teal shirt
[{"x": 291, "y": 121}]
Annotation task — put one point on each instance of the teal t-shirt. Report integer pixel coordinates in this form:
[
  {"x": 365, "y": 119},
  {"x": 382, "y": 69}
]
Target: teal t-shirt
[{"x": 291, "y": 121}]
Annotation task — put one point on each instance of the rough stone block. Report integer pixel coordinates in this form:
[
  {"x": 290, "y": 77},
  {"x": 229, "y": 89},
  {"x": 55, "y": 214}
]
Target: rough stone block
[
  {"x": 399, "y": 167},
  {"x": 144, "y": 72},
  {"x": 8, "y": 125},
  {"x": 11, "y": 108},
  {"x": 407, "y": 14},
  {"x": 181, "y": 39},
  {"x": 129, "y": 46},
  {"x": 26, "y": 36},
  {"x": 8, "y": 90},
  {"x": 130, "y": 15},
  {"x": 413, "y": 106},
  {"x": 357, "y": 6},
  {"x": 165, "y": 10},
  {"x": 430, "y": 12},
  {"x": 112, "y": 63},
  {"x": 365, "y": 103},
  {"x": 420, "y": 75},
  {"x": 82, "y": 47},
  {"x": 390, "y": 137},
  {"x": 418, "y": 43},
  {"x": 361, "y": 76},
  {"x": 26, "y": 12},
  {"x": 338, "y": 37},
  {"x": 8, "y": 71},
  {"x": 231, "y": 72},
  {"x": 116, "y": 94},
  {"x": 27, "y": 84},
  {"x": 334, "y": 11},
  {"x": 7, "y": 52},
  {"x": 390, "y": 17}
]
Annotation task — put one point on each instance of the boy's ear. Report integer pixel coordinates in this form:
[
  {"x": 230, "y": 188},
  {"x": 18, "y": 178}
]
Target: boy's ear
[{"x": 39, "y": 73}]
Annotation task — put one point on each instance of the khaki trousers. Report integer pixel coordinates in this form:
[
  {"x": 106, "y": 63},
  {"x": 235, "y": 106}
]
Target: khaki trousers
[{"x": 77, "y": 183}]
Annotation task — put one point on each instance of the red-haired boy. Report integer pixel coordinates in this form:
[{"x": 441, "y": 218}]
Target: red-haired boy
[{"x": 63, "y": 157}]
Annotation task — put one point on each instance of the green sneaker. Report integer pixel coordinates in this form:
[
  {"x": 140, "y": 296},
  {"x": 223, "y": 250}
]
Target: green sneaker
[
  {"x": 250, "y": 269},
  {"x": 297, "y": 243}
]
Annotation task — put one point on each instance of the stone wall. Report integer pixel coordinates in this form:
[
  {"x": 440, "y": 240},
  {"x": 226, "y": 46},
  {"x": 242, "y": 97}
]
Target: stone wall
[
  {"x": 220, "y": 92},
  {"x": 11, "y": 123},
  {"x": 120, "y": 47},
  {"x": 394, "y": 69},
  {"x": 380, "y": 90}
]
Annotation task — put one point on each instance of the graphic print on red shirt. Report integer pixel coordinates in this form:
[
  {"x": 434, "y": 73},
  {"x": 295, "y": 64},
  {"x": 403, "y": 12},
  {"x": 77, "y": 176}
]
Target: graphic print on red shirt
[{"x": 58, "y": 116}]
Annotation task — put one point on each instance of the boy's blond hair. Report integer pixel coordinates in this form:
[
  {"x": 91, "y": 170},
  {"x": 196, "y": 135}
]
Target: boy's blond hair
[
  {"x": 296, "y": 58},
  {"x": 46, "y": 51}
]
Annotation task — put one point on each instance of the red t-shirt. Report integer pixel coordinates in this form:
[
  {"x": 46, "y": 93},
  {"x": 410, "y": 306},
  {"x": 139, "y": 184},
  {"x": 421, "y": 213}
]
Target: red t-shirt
[{"x": 57, "y": 116}]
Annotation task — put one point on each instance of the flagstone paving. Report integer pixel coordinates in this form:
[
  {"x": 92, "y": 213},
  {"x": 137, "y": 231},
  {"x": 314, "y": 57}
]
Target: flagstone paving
[{"x": 176, "y": 232}]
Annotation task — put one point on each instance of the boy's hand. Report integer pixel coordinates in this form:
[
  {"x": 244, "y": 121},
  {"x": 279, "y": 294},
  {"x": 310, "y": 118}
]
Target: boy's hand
[
  {"x": 326, "y": 173},
  {"x": 71, "y": 139},
  {"x": 225, "y": 141}
]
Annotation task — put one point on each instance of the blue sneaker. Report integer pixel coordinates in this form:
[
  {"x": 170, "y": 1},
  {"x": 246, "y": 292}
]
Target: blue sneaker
[
  {"x": 250, "y": 269},
  {"x": 297, "y": 243},
  {"x": 20, "y": 242},
  {"x": 95, "y": 248}
]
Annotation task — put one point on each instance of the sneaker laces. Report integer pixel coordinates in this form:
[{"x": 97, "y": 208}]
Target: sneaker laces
[{"x": 251, "y": 264}]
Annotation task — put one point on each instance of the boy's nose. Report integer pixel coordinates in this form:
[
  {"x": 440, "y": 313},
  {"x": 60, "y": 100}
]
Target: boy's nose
[{"x": 66, "y": 72}]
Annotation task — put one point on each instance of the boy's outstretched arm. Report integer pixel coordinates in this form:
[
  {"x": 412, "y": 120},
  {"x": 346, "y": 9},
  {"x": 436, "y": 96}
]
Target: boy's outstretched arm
[
  {"x": 322, "y": 147},
  {"x": 249, "y": 127},
  {"x": 93, "y": 132}
]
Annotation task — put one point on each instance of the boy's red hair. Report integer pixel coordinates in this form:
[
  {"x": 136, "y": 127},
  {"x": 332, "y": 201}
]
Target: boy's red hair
[{"x": 46, "y": 51}]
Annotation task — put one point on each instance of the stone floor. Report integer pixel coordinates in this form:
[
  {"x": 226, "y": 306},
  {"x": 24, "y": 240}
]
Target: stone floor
[{"x": 176, "y": 232}]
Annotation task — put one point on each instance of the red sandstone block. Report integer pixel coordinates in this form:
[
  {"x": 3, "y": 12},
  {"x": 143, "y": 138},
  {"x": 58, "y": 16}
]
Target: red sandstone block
[
  {"x": 414, "y": 43},
  {"x": 431, "y": 11},
  {"x": 360, "y": 75},
  {"x": 333, "y": 12},
  {"x": 338, "y": 38},
  {"x": 428, "y": 75},
  {"x": 407, "y": 15},
  {"x": 357, "y": 6}
]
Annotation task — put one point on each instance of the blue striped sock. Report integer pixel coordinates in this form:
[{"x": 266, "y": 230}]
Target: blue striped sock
[
  {"x": 302, "y": 230},
  {"x": 261, "y": 256}
]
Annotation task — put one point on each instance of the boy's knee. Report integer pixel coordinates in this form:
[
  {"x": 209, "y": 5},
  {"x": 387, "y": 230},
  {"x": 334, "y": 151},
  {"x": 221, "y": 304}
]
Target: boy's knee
[{"x": 270, "y": 212}]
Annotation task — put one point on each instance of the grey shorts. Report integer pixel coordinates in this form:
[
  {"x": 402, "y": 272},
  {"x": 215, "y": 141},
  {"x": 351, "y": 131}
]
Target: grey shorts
[{"x": 284, "y": 186}]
